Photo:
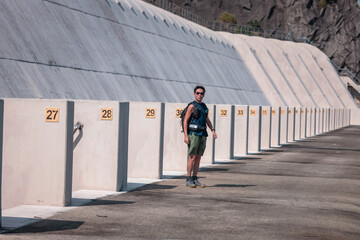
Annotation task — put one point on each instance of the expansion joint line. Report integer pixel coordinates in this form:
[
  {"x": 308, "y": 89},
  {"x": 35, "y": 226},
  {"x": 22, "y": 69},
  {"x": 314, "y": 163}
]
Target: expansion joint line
[{"x": 121, "y": 74}]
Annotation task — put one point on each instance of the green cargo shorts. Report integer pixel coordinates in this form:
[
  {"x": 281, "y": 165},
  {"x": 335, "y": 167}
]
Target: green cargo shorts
[{"x": 197, "y": 145}]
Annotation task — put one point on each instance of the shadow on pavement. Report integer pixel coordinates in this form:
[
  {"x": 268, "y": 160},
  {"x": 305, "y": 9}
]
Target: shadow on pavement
[
  {"x": 47, "y": 225},
  {"x": 231, "y": 185},
  {"x": 154, "y": 187}
]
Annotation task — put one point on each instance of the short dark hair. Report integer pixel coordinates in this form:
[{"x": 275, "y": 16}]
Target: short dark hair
[{"x": 197, "y": 87}]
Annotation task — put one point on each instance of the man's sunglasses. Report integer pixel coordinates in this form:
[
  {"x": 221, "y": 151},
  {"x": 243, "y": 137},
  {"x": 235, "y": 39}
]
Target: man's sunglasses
[{"x": 200, "y": 93}]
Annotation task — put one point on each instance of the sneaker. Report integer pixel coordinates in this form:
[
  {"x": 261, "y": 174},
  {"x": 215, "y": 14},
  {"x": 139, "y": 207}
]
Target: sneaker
[
  {"x": 197, "y": 183},
  {"x": 190, "y": 182}
]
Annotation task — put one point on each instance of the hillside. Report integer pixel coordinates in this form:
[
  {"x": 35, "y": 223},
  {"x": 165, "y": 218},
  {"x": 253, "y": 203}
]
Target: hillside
[{"x": 333, "y": 26}]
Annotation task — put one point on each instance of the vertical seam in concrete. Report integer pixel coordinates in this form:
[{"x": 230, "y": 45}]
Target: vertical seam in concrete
[
  {"x": 260, "y": 127},
  {"x": 232, "y": 134},
  {"x": 213, "y": 140},
  {"x": 161, "y": 146},
  {"x": 123, "y": 146},
  {"x": 247, "y": 131},
  {"x": 1, "y": 149},
  {"x": 69, "y": 152}
]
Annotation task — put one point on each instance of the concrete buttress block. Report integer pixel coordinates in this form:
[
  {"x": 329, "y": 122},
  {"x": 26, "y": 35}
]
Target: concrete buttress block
[
  {"x": 265, "y": 127},
  {"x": 96, "y": 146},
  {"x": 283, "y": 124},
  {"x": 223, "y": 130},
  {"x": 241, "y": 130},
  {"x": 38, "y": 152},
  {"x": 1, "y": 147},
  {"x": 254, "y": 129},
  {"x": 291, "y": 124},
  {"x": 175, "y": 150},
  {"x": 297, "y": 127},
  {"x": 275, "y": 127},
  {"x": 145, "y": 140}
]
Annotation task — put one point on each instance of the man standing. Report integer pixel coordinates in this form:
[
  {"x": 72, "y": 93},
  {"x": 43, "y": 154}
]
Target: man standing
[{"x": 195, "y": 134}]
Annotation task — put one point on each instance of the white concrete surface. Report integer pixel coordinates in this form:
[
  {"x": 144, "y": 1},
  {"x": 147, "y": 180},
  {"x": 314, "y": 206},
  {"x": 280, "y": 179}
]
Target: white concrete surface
[
  {"x": 145, "y": 123},
  {"x": 96, "y": 146},
  {"x": 303, "y": 122},
  {"x": 175, "y": 150},
  {"x": 223, "y": 130},
  {"x": 291, "y": 124},
  {"x": 275, "y": 126},
  {"x": 209, "y": 155},
  {"x": 283, "y": 125},
  {"x": 241, "y": 130},
  {"x": 297, "y": 126},
  {"x": 37, "y": 155},
  {"x": 254, "y": 129},
  {"x": 265, "y": 127}
]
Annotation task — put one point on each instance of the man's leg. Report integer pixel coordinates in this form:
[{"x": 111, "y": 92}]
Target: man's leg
[
  {"x": 197, "y": 159},
  {"x": 190, "y": 167}
]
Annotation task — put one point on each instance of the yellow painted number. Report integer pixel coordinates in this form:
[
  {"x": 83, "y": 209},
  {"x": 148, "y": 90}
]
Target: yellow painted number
[
  {"x": 240, "y": 112},
  {"x": 178, "y": 112},
  {"x": 252, "y": 112},
  {"x": 52, "y": 114},
  {"x": 223, "y": 113},
  {"x": 106, "y": 114},
  {"x": 273, "y": 112},
  {"x": 264, "y": 112},
  {"x": 150, "y": 113}
]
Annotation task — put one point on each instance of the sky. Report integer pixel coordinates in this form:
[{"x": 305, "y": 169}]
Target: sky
[{"x": 359, "y": 2}]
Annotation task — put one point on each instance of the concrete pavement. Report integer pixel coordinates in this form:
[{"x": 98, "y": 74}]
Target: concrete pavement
[{"x": 304, "y": 190}]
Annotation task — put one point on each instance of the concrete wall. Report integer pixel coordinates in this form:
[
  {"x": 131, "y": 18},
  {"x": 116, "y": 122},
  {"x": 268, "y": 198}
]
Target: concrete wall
[
  {"x": 223, "y": 130},
  {"x": 175, "y": 150},
  {"x": 303, "y": 123},
  {"x": 145, "y": 157},
  {"x": 291, "y": 124},
  {"x": 275, "y": 126},
  {"x": 283, "y": 124},
  {"x": 241, "y": 118},
  {"x": 265, "y": 127},
  {"x": 96, "y": 146},
  {"x": 254, "y": 135},
  {"x": 297, "y": 127},
  {"x": 209, "y": 155},
  {"x": 37, "y": 154}
]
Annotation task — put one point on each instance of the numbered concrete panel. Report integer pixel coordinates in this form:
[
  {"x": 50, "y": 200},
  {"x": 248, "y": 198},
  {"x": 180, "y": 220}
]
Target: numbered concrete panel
[
  {"x": 275, "y": 126},
  {"x": 297, "y": 126},
  {"x": 283, "y": 124},
  {"x": 37, "y": 152},
  {"x": 355, "y": 116},
  {"x": 312, "y": 122},
  {"x": 209, "y": 155},
  {"x": 223, "y": 130},
  {"x": 254, "y": 129},
  {"x": 291, "y": 124},
  {"x": 303, "y": 122},
  {"x": 175, "y": 150},
  {"x": 145, "y": 140},
  {"x": 326, "y": 119},
  {"x": 308, "y": 122},
  {"x": 241, "y": 130},
  {"x": 265, "y": 127},
  {"x": 96, "y": 146}
]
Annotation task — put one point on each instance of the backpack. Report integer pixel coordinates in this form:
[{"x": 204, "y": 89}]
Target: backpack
[{"x": 195, "y": 115}]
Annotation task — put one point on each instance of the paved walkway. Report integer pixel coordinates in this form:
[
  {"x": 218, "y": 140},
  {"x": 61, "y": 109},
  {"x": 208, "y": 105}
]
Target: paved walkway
[{"x": 305, "y": 190}]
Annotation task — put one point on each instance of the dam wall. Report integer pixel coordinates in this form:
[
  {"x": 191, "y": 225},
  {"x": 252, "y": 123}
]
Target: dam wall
[{"x": 129, "y": 50}]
